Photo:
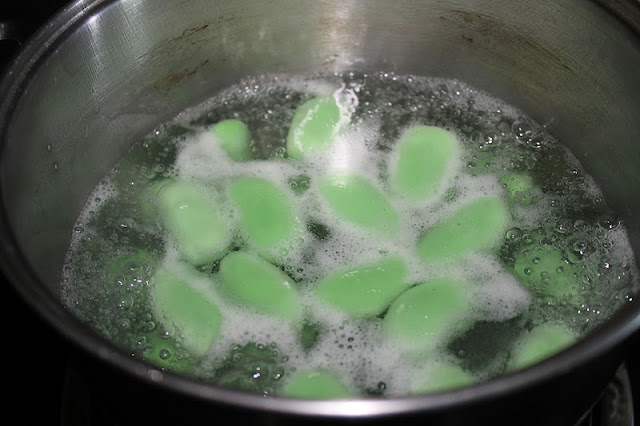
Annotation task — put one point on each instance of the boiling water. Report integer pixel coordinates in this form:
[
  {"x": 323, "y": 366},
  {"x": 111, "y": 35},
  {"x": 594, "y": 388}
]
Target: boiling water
[{"x": 118, "y": 243}]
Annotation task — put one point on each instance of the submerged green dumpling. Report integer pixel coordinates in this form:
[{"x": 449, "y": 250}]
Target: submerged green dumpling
[
  {"x": 193, "y": 220},
  {"x": 164, "y": 353},
  {"x": 423, "y": 315},
  {"x": 423, "y": 157},
  {"x": 234, "y": 138},
  {"x": 315, "y": 384},
  {"x": 444, "y": 376},
  {"x": 519, "y": 187},
  {"x": 314, "y": 127},
  {"x": 354, "y": 199},
  {"x": 476, "y": 226},
  {"x": 261, "y": 285},
  {"x": 544, "y": 270},
  {"x": 541, "y": 342},
  {"x": 185, "y": 312},
  {"x": 364, "y": 291},
  {"x": 267, "y": 213}
]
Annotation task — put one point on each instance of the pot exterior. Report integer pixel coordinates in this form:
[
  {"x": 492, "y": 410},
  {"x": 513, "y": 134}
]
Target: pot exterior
[{"x": 105, "y": 73}]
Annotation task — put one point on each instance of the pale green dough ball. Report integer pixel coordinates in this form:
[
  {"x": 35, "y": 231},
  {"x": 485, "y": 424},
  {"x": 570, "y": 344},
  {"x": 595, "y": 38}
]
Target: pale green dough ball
[
  {"x": 261, "y": 285},
  {"x": 424, "y": 155},
  {"x": 445, "y": 376},
  {"x": 314, "y": 127},
  {"x": 423, "y": 315},
  {"x": 541, "y": 342},
  {"x": 267, "y": 213},
  {"x": 544, "y": 271},
  {"x": 476, "y": 226},
  {"x": 519, "y": 186},
  {"x": 364, "y": 291},
  {"x": 189, "y": 315},
  {"x": 234, "y": 138},
  {"x": 354, "y": 199},
  {"x": 315, "y": 384},
  {"x": 193, "y": 220},
  {"x": 165, "y": 354}
]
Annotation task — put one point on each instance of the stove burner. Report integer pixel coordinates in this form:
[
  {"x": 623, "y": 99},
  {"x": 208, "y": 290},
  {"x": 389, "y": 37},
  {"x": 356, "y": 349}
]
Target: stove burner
[{"x": 615, "y": 406}]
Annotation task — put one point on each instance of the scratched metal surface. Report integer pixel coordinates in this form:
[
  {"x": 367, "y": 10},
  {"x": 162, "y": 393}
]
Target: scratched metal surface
[{"x": 105, "y": 73}]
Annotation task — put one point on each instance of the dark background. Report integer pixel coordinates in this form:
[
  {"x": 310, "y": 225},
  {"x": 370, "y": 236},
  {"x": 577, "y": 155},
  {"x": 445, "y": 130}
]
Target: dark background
[{"x": 35, "y": 361}]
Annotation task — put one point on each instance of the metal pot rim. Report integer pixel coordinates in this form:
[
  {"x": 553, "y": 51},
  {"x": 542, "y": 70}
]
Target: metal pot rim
[{"x": 620, "y": 327}]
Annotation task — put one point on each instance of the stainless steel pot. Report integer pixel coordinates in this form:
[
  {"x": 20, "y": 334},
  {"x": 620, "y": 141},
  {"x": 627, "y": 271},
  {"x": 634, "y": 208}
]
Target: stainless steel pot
[{"x": 103, "y": 73}]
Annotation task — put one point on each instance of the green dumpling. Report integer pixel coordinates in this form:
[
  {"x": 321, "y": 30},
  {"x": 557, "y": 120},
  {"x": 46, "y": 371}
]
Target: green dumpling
[
  {"x": 261, "y": 285},
  {"x": 545, "y": 271},
  {"x": 164, "y": 353},
  {"x": 194, "y": 222},
  {"x": 314, "y": 127},
  {"x": 185, "y": 312},
  {"x": 424, "y": 155},
  {"x": 476, "y": 226},
  {"x": 445, "y": 376},
  {"x": 364, "y": 291},
  {"x": 315, "y": 384},
  {"x": 423, "y": 315},
  {"x": 519, "y": 187},
  {"x": 267, "y": 213},
  {"x": 354, "y": 199},
  {"x": 541, "y": 342},
  {"x": 234, "y": 138}
]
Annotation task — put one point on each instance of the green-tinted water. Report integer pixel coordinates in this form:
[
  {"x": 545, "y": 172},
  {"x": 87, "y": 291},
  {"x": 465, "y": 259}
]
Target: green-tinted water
[{"x": 558, "y": 255}]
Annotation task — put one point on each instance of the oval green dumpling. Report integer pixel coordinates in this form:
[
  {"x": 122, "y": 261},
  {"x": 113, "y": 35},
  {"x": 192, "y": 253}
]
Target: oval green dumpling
[
  {"x": 541, "y": 342},
  {"x": 185, "y": 312},
  {"x": 267, "y": 214},
  {"x": 423, "y": 315},
  {"x": 519, "y": 187},
  {"x": 315, "y": 384},
  {"x": 364, "y": 291},
  {"x": 423, "y": 157},
  {"x": 544, "y": 271},
  {"x": 314, "y": 126},
  {"x": 354, "y": 199},
  {"x": 133, "y": 265},
  {"x": 476, "y": 226},
  {"x": 261, "y": 285},
  {"x": 192, "y": 219},
  {"x": 164, "y": 353},
  {"x": 235, "y": 138},
  {"x": 445, "y": 376}
]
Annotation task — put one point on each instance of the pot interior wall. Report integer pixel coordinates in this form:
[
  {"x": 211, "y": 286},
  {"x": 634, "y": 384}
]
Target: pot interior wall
[{"x": 127, "y": 66}]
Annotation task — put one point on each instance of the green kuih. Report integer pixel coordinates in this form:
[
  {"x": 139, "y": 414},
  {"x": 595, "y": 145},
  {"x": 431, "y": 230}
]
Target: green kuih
[
  {"x": 423, "y": 156},
  {"x": 476, "y": 226},
  {"x": 544, "y": 271},
  {"x": 234, "y": 138},
  {"x": 261, "y": 285},
  {"x": 314, "y": 126},
  {"x": 423, "y": 315},
  {"x": 445, "y": 376},
  {"x": 364, "y": 291},
  {"x": 193, "y": 319},
  {"x": 192, "y": 219},
  {"x": 541, "y": 342},
  {"x": 165, "y": 354},
  {"x": 267, "y": 213},
  {"x": 354, "y": 199},
  {"x": 315, "y": 384},
  {"x": 135, "y": 265},
  {"x": 519, "y": 187}
]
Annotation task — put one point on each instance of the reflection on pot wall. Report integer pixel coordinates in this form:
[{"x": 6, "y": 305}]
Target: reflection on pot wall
[{"x": 113, "y": 77}]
